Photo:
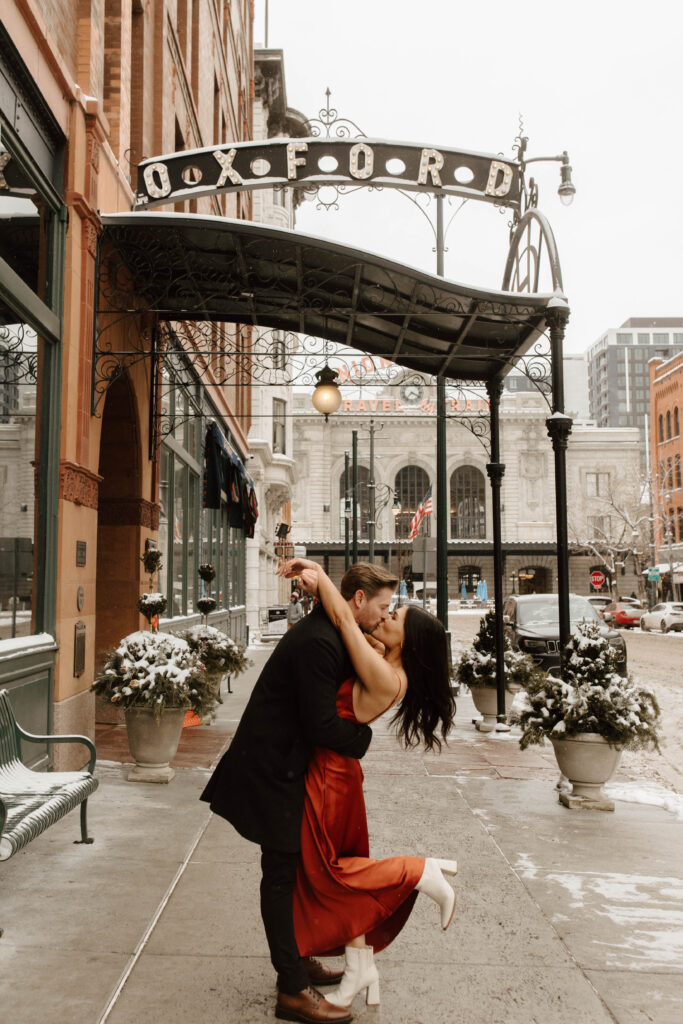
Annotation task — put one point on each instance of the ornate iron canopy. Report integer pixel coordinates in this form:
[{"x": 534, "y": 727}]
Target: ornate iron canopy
[{"x": 181, "y": 267}]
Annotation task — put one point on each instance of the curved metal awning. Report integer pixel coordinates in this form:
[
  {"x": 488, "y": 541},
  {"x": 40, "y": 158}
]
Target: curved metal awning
[{"x": 189, "y": 267}]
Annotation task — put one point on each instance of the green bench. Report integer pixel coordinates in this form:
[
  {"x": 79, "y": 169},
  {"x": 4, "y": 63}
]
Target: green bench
[{"x": 32, "y": 801}]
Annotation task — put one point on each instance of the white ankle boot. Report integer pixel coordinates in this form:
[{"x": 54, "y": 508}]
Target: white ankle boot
[
  {"x": 434, "y": 885},
  {"x": 360, "y": 973}
]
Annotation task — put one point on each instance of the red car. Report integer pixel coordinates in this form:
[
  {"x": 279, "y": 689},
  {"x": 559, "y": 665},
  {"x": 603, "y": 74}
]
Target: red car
[{"x": 619, "y": 614}]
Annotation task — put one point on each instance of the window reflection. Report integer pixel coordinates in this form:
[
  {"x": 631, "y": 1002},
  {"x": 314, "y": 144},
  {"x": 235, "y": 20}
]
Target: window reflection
[{"x": 18, "y": 355}]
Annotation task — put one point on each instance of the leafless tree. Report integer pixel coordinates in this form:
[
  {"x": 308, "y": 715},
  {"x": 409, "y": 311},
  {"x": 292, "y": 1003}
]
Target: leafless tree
[{"x": 625, "y": 515}]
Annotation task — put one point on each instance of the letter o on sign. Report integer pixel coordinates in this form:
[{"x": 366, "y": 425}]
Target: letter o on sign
[{"x": 597, "y": 578}]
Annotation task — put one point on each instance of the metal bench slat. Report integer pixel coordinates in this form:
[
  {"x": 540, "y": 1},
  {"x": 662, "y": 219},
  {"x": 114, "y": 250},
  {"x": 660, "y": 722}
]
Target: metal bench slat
[{"x": 26, "y": 821}]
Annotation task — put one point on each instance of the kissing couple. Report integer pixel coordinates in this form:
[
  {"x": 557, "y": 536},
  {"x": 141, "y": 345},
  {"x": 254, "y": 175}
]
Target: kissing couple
[{"x": 291, "y": 781}]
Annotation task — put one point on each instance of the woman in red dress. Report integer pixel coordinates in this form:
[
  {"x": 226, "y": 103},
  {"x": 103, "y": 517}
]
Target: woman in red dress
[{"x": 344, "y": 900}]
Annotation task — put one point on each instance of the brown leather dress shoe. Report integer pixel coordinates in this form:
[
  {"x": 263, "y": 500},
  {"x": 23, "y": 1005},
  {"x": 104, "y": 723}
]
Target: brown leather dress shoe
[
  {"x": 310, "y": 1007},
  {"x": 318, "y": 974}
]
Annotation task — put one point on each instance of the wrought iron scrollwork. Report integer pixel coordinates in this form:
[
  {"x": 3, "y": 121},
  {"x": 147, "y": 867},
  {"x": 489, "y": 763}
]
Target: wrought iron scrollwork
[
  {"x": 18, "y": 355},
  {"x": 467, "y": 404},
  {"x": 329, "y": 124}
]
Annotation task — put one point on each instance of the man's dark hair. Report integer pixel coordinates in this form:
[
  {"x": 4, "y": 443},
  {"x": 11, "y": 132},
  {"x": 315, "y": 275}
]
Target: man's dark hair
[{"x": 366, "y": 577}]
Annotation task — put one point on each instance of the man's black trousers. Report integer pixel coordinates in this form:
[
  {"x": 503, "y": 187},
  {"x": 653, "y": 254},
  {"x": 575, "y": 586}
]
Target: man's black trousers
[{"x": 277, "y": 887}]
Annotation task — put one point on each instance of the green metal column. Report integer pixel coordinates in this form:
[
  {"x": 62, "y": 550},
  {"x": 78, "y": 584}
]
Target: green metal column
[
  {"x": 47, "y": 535},
  {"x": 495, "y": 470},
  {"x": 441, "y": 482},
  {"x": 371, "y": 496},
  {"x": 354, "y": 489},
  {"x": 441, "y": 506},
  {"x": 347, "y": 512},
  {"x": 559, "y": 428}
]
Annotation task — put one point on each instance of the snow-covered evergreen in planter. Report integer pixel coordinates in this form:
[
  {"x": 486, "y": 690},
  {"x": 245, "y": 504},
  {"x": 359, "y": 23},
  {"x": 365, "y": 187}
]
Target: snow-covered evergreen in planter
[
  {"x": 218, "y": 653},
  {"x": 155, "y": 678},
  {"x": 590, "y": 717},
  {"x": 476, "y": 669}
]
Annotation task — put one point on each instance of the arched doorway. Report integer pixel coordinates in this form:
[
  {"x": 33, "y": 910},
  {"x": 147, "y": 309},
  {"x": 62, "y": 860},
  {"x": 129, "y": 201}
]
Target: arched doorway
[
  {"x": 469, "y": 576},
  {"x": 534, "y": 579},
  {"x": 118, "y": 518}
]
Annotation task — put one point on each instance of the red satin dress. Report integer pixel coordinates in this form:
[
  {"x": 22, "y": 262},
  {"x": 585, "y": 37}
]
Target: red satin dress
[{"x": 341, "y": 892}]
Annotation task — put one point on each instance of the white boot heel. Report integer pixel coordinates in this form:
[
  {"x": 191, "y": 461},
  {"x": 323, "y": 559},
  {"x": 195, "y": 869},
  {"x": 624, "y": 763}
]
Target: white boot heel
[
  {"x": 434, "y": 885},
  {"x": 360, "y": 973}
]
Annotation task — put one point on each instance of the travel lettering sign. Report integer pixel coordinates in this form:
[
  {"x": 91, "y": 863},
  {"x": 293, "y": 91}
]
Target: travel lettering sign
[
  {"x": 315, "y": 162},
  {"x": 388, "y": 405}
]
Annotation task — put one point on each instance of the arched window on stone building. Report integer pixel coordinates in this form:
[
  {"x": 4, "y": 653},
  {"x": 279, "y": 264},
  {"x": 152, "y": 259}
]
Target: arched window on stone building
[
  {"x": 668, "y": 424},
  {"x": 677, "y": 426},
  {"x": 362, "y": 502},
  {"x": 468, "y": 504},
  {"x": 411, "y": 485},
  {"x": 661, "y": 427}
]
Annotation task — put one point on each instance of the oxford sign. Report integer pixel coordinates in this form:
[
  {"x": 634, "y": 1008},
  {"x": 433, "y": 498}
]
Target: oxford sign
[{"x": 316, "y": 162}]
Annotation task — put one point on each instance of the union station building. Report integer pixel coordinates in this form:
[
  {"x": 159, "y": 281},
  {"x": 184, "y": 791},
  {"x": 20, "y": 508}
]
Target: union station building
[{"x": 404, "y": 468}]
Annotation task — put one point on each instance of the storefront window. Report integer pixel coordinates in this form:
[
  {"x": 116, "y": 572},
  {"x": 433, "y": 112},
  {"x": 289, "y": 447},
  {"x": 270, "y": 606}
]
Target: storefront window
[
  {"x": 188, "y": 533},
  {"x": 238, "y": 583},
  {"x": 192, "y": 511},
  {"x": 164, "y": 493},
  {"x": 18, "y": 351},
  {"x": 178, "y": 592}
]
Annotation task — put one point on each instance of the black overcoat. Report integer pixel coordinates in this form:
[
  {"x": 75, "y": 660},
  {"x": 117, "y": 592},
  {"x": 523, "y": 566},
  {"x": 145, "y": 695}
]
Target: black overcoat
[{"x": 258, "y": 785}]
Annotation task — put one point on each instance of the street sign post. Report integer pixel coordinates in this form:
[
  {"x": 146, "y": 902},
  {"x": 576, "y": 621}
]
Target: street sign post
[{"x": 653, "y": 576}]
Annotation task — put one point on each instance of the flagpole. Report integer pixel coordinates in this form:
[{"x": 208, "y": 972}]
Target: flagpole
[{"x": 424, "y": 569}]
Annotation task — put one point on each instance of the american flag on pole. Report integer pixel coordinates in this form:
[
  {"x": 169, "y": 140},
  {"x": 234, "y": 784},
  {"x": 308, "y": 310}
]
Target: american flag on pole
[{"x": 423, "y": 509}]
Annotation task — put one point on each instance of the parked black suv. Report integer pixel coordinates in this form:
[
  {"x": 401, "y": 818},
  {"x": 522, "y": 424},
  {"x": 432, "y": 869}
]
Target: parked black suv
[{"x": 532, "y": 624}]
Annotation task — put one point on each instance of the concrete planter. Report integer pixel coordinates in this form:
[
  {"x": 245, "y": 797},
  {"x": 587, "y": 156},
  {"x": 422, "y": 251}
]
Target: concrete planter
[
  {"x": 153, "y": 743},
  {"x": 587, "y": 761},
  {"x": 486, "y": 702}
]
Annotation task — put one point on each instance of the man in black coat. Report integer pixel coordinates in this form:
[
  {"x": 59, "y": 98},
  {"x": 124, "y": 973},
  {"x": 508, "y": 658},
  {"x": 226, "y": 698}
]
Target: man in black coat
[{"x": 259, "y": 783}]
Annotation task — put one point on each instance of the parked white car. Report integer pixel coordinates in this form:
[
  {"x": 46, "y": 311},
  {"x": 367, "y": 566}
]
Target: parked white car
[{"x": 666, "y": 616}]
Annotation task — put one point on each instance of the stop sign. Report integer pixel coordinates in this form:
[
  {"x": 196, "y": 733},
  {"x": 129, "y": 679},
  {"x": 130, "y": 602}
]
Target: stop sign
[{"x": 597, "y": 578}]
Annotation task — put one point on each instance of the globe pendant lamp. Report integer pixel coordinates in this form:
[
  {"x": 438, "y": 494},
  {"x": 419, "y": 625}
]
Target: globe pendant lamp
[{"x": 326, "y": 394}]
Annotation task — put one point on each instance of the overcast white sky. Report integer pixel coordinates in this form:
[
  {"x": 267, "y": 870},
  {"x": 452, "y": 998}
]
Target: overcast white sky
[{"x": 600, "y": 79}]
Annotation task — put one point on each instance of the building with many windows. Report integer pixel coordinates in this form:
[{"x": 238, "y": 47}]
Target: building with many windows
[
  {"x": 271, "y": 463},
  {"x": 666, "y": 460},
  {"x": 618, "y": 373},
  {"x": 404, "y": 468}
]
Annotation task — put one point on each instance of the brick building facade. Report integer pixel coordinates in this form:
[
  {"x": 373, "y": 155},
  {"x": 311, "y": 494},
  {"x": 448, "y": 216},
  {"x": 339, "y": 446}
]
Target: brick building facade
[
  {"x": 666, "y": 461},
  {"x": 89, "y": 89}
]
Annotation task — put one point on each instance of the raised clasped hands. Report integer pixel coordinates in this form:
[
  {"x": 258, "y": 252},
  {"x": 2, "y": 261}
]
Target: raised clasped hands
[{"x": 295, "y": 567}]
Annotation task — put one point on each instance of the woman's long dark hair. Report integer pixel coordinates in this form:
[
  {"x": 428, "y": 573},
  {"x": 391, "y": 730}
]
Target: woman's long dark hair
[{"x": 428, "y": 701}]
